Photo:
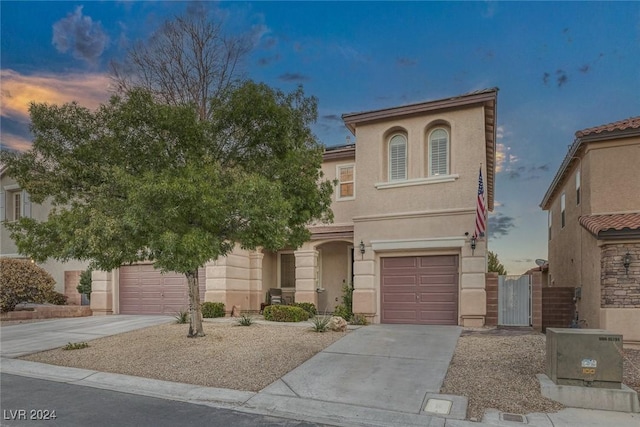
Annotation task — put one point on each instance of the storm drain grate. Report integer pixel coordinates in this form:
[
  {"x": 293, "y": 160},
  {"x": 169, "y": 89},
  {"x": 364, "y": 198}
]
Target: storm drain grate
[
  {"x": 438, "y": 406},
  {"x": 516, "y": 418}
]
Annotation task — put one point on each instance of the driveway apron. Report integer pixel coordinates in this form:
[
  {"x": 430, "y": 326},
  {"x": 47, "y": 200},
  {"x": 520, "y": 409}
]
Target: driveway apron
[
  {"x": 390, "y": 367},
  {"x": 26, "y": 338}
]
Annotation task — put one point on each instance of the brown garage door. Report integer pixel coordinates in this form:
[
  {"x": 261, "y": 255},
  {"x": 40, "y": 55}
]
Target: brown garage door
[
  {"x": 420, "y": 290},
  {"x": 144, "y": 290}
]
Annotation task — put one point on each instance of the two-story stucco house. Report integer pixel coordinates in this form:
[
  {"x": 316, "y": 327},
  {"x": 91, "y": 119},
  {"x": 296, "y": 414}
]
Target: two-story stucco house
[
  {"x": 593, "y": 205},
  {"x": 405, "y": 211},
  {"x": 16, "y": 203}
]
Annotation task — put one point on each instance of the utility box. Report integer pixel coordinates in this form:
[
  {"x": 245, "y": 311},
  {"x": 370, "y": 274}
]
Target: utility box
[{"x": 584, "y": 357}]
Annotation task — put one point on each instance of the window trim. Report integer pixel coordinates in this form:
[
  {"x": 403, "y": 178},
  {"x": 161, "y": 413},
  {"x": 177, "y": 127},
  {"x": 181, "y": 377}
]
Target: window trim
[
  {"x": 578, "y": 187},
  {"x": 563, "y": 210},
  {"x": 279, "y": 269},
  {"x": 550, "y": 222},
  {"x": 447, "y": 153},
  {"x": 406, "y": 162},
  {"x": 339, "y": 198},
  {"x": 16, "y": 207}
]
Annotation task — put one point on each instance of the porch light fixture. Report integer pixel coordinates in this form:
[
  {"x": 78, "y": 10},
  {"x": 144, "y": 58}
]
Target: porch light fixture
[
  {"x": 361, "y": 247},
  {"x": 473, "y": 243},
  {"x": 626, "y": 262}
]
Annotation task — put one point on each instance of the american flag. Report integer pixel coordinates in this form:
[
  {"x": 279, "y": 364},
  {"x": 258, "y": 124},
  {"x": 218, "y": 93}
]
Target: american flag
[{"x": 481, "y": 210}]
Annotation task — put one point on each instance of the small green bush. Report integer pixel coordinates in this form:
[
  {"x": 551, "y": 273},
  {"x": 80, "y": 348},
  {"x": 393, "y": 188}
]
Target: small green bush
[
  {"x": 84, "y": 287},
  {"x": 75, "y": 346},
  {"x": 309, "y": 307},
  {"x": 320, "y": 323},
  {"x": 211, "y": 310},
  {"x": 182, "y": 317},
  {"x": 245, "y": 320},
  {"x": 56, "y": 298},
  {"x": 343, "y": 312},
  {"x": 285, "y": 313},
  {"x": 23, "y": 281},
  {"x": 359, "y": 319}
]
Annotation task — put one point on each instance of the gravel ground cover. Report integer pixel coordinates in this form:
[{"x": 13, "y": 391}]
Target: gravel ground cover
[
  {"x": 498, "y": 370},
  {"x": 229, "y": 356},
  {"x": 494, "y": 368}
]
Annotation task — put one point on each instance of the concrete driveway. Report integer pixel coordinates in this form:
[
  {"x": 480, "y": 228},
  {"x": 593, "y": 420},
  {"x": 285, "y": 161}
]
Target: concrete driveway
[
  {"x": 26, "y": 338},
  {"x": 389, "y": 367}
]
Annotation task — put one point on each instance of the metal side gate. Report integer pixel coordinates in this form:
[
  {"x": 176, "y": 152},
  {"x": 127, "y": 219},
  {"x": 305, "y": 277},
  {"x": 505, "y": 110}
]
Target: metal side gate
[{"x": 514, "y": 300}]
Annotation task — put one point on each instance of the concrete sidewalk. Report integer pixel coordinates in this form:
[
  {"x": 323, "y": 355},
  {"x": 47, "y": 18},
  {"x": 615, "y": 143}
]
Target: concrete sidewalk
[{"x": 379, "y": 375}]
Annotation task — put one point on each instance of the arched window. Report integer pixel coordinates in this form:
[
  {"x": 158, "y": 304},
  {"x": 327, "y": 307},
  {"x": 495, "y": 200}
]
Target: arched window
[
  {"x": 439, "y": 152},
  {"x": 398, "y": 158}
]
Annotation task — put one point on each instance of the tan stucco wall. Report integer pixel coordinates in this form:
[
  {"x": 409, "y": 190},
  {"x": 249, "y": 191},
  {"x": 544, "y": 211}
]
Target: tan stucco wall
[
  {"x": 623, "y": 321},
  {"x": 614, "y": 177}
]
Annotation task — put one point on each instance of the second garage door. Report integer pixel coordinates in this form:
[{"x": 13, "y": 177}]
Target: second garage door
[
  {"x": 419, "y": 290},
  {"x": 144, "y": 290}
]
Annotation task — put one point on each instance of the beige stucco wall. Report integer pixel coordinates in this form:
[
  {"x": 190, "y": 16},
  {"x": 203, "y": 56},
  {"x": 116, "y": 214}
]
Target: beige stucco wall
[{"x": 614, "y": 177}]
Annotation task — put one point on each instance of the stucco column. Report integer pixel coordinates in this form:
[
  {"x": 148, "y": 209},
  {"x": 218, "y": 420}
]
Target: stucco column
[
  {"x": 255, "y": 280},
  {"x": 306, "y": 276},
  {"x": 365, "y": 300},
  {"x": 473, "y": 296},
  {"x": 101, "y": 292}
]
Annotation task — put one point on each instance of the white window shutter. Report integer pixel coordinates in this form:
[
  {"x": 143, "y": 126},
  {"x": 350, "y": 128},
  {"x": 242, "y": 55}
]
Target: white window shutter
[
  {"x": 398, "y": 158},
  {"x": 439, "y": 145},
  {"x": 26, "y": 204},
  {"x": 2, "y": 210}
]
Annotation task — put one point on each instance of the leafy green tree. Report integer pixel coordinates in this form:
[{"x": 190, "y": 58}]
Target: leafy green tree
[
  {"x": 494, "y": 265},
  {"x": 138, "y": 180}
]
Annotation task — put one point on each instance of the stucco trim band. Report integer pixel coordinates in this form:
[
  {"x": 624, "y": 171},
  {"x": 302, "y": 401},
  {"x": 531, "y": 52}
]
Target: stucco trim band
[
  {"x": 418, "y": 214},
  {"x": 417, "y": 181},
  {"x": 431, "y": 243}
]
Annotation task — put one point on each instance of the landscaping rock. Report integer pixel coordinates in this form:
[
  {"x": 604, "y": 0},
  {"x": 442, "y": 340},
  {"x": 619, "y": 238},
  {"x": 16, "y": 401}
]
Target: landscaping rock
[{"x": 337, "y": 324}]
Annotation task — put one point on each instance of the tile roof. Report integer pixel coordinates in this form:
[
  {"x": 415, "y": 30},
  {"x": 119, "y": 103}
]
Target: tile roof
[
  {"x": 331, "y": 231},
  {"x": 619, "y": 222},
  {"x": 630, "y": 123}
]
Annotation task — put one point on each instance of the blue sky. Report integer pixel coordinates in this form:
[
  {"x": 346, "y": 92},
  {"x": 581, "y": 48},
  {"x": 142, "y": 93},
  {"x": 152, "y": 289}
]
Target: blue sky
[{"x": 560, "y": 67}]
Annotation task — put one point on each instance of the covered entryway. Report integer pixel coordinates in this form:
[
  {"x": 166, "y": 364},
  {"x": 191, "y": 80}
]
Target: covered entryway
[
  {"x": 419, "y": 290},
  {"x": 144, "y": 290}
]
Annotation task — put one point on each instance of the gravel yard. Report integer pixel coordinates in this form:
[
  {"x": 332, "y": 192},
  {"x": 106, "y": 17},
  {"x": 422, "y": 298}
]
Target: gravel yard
[
  {"x": 494, "y": 368},
  {"x": 498, "y": 370}
]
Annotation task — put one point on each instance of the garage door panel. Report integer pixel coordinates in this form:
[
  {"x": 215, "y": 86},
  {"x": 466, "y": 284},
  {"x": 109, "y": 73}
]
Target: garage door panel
[
  {"x": 144, "y": 290},
  {"x": 421, "y": 290}
]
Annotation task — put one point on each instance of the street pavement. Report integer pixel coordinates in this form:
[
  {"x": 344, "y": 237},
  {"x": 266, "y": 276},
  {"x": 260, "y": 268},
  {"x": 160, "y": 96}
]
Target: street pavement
[{"x": 379, "y": 375}]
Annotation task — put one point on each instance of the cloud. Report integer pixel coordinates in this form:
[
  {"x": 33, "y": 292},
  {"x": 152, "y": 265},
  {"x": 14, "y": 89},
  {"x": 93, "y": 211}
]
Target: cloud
[
  {"x": 14, "y": 142},
  {"x": 561, "y": 77},
  {"x": 18, "y": 91},
  {"x": 268, "y": 60},
  {"x": 501, "y": 156},
  {"x": 526, "y": 173},
  {"x": 80, "y": 35},
  {"x": 293, "y": 77},
  {"x": 500, "y": 225},
  {"x": 332, "y": 117}
]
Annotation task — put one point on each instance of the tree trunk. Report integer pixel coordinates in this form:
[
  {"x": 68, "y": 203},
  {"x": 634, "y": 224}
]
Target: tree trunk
[{"x": 195, "y": 314}]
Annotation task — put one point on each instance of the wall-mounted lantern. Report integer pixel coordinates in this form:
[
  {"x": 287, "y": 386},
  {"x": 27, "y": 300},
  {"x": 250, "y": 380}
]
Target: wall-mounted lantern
[
  {"x": 626, "y": 262},
  {"x": 361, "y": 248}
]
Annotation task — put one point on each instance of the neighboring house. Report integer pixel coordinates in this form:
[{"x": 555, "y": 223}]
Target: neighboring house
[
  {"x": 404, "y": 213},
  {"x": 15, "y": 203},
  {"x": 593, "y": 205}
]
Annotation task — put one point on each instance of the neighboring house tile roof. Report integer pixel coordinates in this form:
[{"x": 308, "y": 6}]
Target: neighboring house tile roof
[
  {"x": 613, "y": 225},
  {"x": 621, "y": 129},
  {"x": 630, "y": 123}
]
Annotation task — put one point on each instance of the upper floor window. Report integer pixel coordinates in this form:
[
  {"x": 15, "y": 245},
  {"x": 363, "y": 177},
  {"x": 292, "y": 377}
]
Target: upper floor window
[
  {"x": 562, "y": 210},
  {"x": 398, "y": 158},
  {"x": 14, "y": 204},
  {"x": 346, "y": 182},
  {"x": 439, "y": 152},
  {"x": 577, "y": 187},
  {"x": 549, "y": 221}
]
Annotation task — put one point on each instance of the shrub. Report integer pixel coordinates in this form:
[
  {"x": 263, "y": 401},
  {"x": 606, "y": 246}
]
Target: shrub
[
  {"x": 320, "y": 323},
  {"x": 75, "y": 346},
  {"x": 182, "y": 317},
  {"x": 359, "y": 319},
  {"x": 285, "y": 313},
  {"x": 345, "y": 310},
  {"x": 309, "y": 307},
  {"x": 211, "y": 310},
  {"x": 245, "y": 320},
  {"x": 23, "y": 281},
  {"x": 56, "y": 298},
  {"x": 84, "y": 287}
]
